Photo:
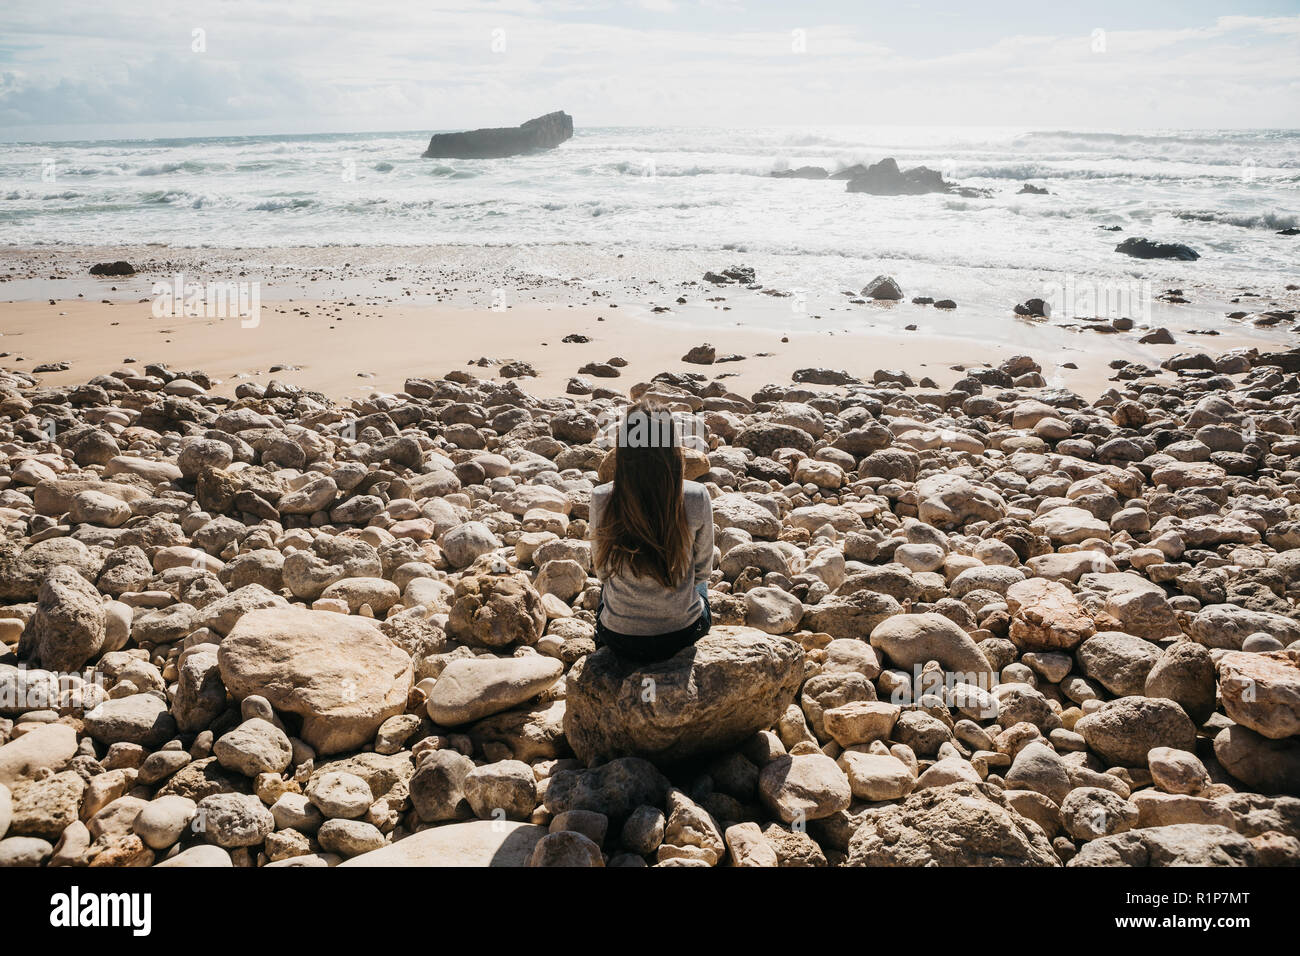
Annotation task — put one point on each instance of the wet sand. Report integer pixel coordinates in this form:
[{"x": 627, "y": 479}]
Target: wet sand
[
  {"x": 361, "y": 321},
  {"x": 350, "y": 352}
]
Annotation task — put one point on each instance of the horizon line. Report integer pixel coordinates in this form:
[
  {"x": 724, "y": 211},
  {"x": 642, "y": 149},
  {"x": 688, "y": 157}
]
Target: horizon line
[{"x": 427, "y": 131}]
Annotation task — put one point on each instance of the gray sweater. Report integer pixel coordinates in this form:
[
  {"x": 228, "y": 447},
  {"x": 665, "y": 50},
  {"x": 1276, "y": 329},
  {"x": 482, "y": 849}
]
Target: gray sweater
[{"x": 641, "y": 606}]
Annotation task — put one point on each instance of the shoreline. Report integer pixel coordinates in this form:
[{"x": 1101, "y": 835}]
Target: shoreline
[
  {"x": 351, "y": 321},
  {"x": 351, "y": 353}
]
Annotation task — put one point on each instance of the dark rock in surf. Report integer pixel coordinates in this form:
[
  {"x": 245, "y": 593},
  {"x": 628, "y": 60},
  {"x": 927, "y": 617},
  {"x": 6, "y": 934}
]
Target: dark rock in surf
[
  {"x": 886, "y": 179},
  {"x": 119, "y": 268},
  {"x": 1147, "y": 249},
  {"x": 743, "y": 274},
  {"x": 1036, "y": 308},
  {"x": 803, "y": 172},
  {"x": 542, "y": 132},
  {"x": 882, "y": 288},
  {"x": 849, "y": 172}
]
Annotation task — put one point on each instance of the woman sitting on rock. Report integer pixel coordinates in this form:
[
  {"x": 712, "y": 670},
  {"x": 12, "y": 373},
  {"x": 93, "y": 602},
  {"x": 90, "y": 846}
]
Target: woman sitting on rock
[{"x": 652, "y": 535}]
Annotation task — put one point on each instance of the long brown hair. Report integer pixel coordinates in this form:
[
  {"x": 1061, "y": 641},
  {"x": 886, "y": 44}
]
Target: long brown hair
[{"x": 643, "y": 529}]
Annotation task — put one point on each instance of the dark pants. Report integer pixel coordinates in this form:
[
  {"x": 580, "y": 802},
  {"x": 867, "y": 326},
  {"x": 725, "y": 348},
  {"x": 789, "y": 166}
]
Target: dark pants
[{"x": 654, "y": 647}]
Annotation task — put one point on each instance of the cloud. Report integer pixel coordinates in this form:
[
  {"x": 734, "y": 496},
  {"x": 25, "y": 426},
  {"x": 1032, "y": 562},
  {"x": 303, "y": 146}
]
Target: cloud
[{"x": 324, "y": 66}]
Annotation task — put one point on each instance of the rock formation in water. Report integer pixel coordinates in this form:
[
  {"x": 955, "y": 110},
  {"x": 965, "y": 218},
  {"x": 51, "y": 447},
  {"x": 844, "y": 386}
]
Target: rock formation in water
[
  {"x": 886, "y": 179},
  {"x": 542, "y": 132},
  {"x": 1148, "y": 249},
  {"x": 803, "y": 172}
]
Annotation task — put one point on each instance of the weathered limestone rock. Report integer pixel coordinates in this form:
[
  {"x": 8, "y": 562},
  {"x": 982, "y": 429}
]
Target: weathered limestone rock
[
  {"x": 1184, "y": 844},
  {"x": 614, "y": 789},
  {"x": 471, "y": 689},
  {"x": 962, "y": 824},
  {"x": 68, "y": 629},
  {"x": 496, "y": 610},
  {"x": 475, "y": 843},
  {"x": 711, "y": 696},
  {"x": 1185, "y": 674},
  {"x": 1046, "y": 616},
  {"x": 803, "y": 787},
  {"x": 139, "y": 719},
  {"x": 1262, "y": 691},
  {"x": 1263, "y": 764},
  {"x": 909, "y": 640},
  {"x": 1125, "y": 730},
  {"x": 49, "y": 746},
  {"x": 340, "y": 674}
]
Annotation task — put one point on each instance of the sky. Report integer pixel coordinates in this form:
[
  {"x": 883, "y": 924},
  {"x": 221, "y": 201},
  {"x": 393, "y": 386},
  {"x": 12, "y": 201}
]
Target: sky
[{"x": 119, "y": 69}]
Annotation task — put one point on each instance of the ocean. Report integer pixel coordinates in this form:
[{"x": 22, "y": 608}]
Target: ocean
[{"x": 681, "y": 196}]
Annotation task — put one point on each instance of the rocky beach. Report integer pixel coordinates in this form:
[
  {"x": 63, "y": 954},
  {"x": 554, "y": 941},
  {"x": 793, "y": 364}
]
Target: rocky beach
[
  {"x": 339, "y": 526},
  {"x": 967, "y": 611}
]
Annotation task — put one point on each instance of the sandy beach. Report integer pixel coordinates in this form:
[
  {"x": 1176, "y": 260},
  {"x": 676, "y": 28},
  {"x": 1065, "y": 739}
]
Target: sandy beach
[
  {"x": 348, "y": 329},
  {"x": 352, "y": 352}
]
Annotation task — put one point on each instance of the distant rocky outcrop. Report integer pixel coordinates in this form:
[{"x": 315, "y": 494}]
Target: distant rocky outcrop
[
  {"x": 1148, "y": 249},
  {"x": 803, "y": 172},
  {"x": 886, "y": 179},
  {"x": 542, "y": 132}
]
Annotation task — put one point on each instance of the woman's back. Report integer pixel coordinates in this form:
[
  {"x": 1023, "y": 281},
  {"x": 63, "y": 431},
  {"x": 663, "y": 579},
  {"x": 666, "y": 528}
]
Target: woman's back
[{"x": 638, "y": 604}]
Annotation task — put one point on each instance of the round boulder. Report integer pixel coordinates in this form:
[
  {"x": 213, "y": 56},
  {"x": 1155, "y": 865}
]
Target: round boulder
[{"x": 711, "y": 696}]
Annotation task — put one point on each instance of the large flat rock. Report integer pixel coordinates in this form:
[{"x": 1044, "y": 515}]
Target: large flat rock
[
  {"x": 477, "y": 843},
  {"x": 50, "y": 746},
  {"x": 340, "y": 673},
  {"x": 468, "y": 690},
  {"x": 711, "y": 696},
  {"x": 541, "y": 132}
]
